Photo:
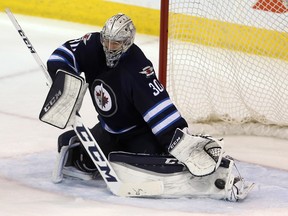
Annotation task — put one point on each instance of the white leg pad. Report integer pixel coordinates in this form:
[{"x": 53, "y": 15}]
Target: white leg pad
[
  {"x": 60, "y": 170},
  {"x": 180, "y": 184}
]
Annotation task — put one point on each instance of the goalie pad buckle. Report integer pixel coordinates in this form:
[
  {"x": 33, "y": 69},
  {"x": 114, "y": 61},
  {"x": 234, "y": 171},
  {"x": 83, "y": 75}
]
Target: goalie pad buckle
[{"x": 201, "y": 154}]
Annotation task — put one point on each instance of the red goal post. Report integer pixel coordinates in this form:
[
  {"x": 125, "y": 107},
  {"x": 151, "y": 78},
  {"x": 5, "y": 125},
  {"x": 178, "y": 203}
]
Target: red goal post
[
  {"x": 163, "y": 43},
  {"x": 225, "y": 64}
]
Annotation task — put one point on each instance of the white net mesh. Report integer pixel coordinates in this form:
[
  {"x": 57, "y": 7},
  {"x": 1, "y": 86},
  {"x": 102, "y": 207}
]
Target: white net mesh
[{"x": 228, "y": 66}]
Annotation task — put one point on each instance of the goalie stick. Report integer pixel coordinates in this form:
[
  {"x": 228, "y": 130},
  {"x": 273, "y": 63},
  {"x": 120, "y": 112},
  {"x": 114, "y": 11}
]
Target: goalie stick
[{"x": 116, "y": 186}]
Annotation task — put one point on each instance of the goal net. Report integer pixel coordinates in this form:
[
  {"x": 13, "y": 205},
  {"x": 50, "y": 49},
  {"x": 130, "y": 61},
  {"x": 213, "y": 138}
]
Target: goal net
[{"x": 227, "y": 64}]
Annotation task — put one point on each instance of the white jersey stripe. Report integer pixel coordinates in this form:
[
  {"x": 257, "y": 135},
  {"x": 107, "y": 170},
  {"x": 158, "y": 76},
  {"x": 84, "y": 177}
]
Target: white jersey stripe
[
  {"x": 59, "y": 58},
  {"x": 166, "y": 122},
  {"x": 107, "y": 128},
  {"x": 64, "y": 49},
  {"x": 158, "y": 108}
]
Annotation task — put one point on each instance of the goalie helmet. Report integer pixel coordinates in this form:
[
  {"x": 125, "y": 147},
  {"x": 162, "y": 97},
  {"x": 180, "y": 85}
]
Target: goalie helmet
[{"x": 116, "y": 37}]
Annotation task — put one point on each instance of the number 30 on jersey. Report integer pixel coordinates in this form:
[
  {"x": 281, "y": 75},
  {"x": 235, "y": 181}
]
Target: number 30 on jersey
[{"x": 156, "y": 86}]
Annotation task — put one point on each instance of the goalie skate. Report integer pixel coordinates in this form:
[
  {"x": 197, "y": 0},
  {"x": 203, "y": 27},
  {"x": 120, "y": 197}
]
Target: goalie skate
[{"x": 240, "y": 189}]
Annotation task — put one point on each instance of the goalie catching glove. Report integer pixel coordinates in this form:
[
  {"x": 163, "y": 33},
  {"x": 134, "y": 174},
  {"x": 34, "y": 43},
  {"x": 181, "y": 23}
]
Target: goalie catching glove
[{"x": 202, "y": 155}]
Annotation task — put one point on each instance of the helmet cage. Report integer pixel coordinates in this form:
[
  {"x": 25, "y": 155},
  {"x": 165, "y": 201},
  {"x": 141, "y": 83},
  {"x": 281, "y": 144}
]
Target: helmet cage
[{"x": 116, "y": 37}]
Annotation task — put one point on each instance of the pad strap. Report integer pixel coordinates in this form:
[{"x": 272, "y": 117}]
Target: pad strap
[{"x": 155, "y": 163}]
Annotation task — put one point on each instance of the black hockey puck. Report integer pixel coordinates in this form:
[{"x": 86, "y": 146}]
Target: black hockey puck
[{"x": 220, "y": 184}]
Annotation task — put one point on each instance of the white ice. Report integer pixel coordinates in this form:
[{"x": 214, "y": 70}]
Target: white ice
[{"x": 28, "y": 146}]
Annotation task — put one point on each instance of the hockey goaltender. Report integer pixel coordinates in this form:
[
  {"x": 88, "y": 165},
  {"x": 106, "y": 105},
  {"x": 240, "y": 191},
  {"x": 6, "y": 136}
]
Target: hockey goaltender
[{"x": 142, "y": 146}]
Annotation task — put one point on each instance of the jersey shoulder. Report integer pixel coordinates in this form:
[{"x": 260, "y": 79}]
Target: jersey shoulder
[
  {"x": 137, "y": 64},
  {"x": 86, "y": 42},
  {"x": 93, "y": 37}
]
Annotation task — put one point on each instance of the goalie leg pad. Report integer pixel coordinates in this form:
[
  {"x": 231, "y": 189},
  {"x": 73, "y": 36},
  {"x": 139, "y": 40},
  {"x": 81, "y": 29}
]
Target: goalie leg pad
[
  {"x": 221, "y": 184},
  {"x": 201, "y": 154},
  {"x": 61, "y": 160},
  {"x": 73, "y": 161}
]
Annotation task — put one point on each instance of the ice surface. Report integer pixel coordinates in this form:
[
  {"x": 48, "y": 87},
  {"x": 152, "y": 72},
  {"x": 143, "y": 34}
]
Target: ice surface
[{"x": 28, "y": 146}]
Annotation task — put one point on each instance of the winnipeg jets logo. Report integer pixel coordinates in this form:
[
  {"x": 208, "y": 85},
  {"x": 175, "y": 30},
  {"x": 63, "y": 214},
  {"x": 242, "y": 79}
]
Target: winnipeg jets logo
[
  {"x": 101, "y": 98},
  {"x": 104, "y": 98},
  {"x": 148, "y": 71},
  {"x": 86, "y": 37}
]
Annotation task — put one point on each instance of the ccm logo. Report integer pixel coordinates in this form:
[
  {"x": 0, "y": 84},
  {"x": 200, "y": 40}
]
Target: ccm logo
[
  {"x": 175, "y": 142},
  {"x": 95, "y": 153},
  {"x": 52, "y": 101},
  {"x": 27, "y": 42}
]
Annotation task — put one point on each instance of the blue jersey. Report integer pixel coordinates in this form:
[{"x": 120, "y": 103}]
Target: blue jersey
[{"x": 127, "y": 96}]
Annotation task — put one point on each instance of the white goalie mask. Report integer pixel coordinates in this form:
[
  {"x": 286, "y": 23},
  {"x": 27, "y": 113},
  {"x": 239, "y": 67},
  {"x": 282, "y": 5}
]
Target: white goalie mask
[{"x": 116, "y": 37}]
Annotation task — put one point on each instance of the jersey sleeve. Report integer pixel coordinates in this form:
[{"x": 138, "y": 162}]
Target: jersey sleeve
[
  {"x": 65, "y": 57},
  {"x": 153, "y": 102}
]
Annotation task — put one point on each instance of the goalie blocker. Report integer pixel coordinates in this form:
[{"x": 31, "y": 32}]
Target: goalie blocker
[{"x": 64, "y": 99}]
